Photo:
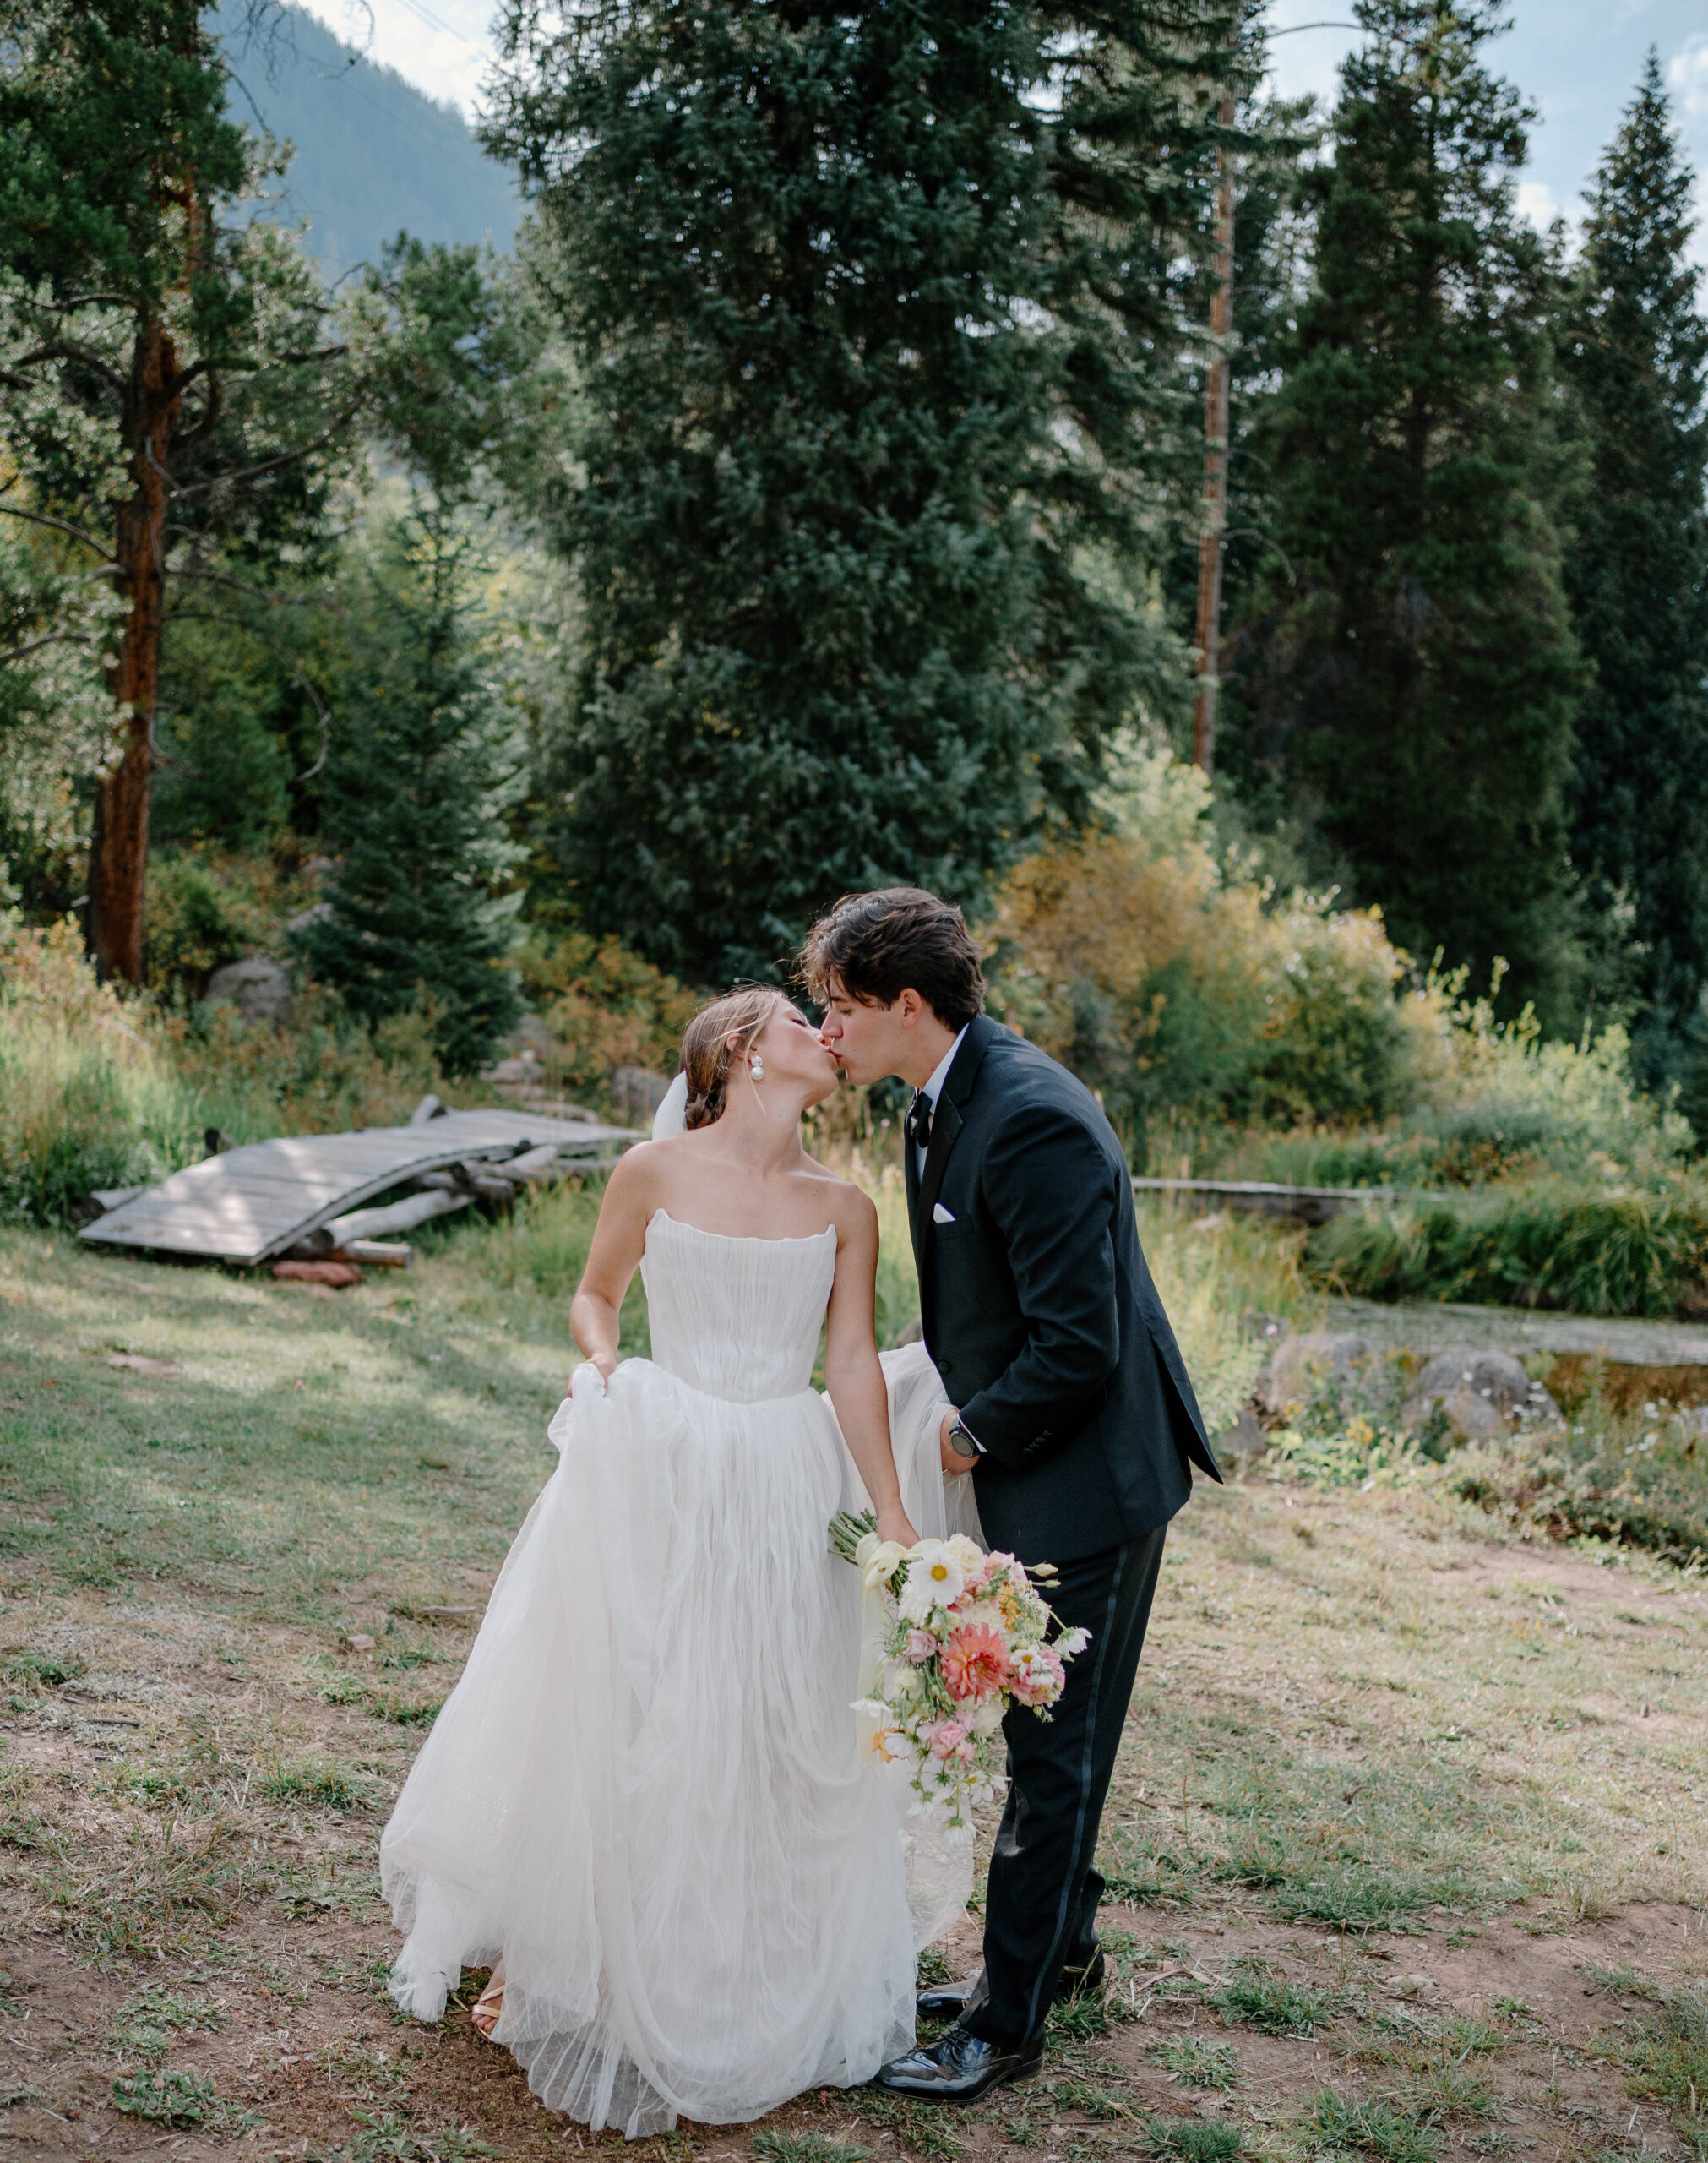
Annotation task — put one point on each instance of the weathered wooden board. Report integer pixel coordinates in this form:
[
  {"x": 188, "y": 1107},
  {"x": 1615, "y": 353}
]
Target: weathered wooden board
[{"x": 249, "y": 1204}]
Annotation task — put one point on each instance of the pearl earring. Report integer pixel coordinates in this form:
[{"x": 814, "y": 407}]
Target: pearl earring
[{"x": 758, "y": 1070}]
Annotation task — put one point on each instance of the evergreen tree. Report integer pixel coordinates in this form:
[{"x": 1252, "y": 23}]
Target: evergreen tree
[
  {"x": 417, "y": 778},
  {"x": 1636, "y": 351},
  {"x": 165, "y": 381},
  {"x": 1416, "y": 677},
  {"x": 861, "y": 377}
]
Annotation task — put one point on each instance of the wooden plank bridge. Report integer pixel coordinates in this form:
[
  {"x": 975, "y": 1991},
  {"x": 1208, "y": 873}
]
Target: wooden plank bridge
[{"x": 250, "y": 1204}]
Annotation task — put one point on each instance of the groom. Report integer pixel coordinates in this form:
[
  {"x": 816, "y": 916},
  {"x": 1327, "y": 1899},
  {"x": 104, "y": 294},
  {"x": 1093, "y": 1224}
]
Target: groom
[{"x": 1074, "y": 1417}]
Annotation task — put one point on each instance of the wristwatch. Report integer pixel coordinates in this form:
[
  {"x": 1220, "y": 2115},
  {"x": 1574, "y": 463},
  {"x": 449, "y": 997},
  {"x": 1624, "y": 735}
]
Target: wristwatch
[{"x": 961, "y": 1442}]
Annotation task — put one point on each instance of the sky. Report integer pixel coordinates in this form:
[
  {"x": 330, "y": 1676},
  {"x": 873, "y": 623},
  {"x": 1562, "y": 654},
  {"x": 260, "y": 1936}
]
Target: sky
[{"x": 1577, "y": 60}]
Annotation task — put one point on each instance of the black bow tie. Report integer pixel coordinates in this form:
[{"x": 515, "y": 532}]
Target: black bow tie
[{"x": 919, "y": 1120}]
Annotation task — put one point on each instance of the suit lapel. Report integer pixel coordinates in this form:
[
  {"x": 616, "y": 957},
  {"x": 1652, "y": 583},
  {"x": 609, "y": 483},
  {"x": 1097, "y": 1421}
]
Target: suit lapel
[{"x": 945, "y": 1132}]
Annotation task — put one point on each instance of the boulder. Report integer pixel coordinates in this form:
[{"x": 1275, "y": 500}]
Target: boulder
[
  {"x": 258, "y": 987},
  {"x": 637, "y": 1094},
  {"x": 1322, "y": 1354},
  {"x": 1242, "y": 1441},
  {"x": 1484, "y": 1395}
]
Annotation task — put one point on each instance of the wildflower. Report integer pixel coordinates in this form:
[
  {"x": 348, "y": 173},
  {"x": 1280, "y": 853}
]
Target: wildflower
[{"x": 935, "y": 1579}]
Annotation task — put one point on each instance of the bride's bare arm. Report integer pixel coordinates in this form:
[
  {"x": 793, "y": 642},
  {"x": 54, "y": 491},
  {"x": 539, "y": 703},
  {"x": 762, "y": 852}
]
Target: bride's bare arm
[
  {"x": 619, "y": 1239},
  {"x": 852, "y": 1373}
]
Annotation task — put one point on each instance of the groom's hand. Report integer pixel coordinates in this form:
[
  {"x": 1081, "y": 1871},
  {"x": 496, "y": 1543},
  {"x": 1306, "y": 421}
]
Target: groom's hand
[{"x": 953, "y": 1461}]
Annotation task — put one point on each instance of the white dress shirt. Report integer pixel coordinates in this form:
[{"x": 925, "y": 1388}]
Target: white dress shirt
[{"x": 933, "y": 1090}]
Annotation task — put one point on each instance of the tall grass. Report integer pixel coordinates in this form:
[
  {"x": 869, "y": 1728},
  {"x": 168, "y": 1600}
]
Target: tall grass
[
  {"x": 97, "y": 1090},
  {"x": 1556, "y": 1244}
]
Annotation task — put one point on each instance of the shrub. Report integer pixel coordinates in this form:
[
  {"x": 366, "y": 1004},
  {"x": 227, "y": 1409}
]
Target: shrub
[
  {"x": 604, "y": 1006},
  {"x": 1641, "y": 1483},
  {"x": 1553, "y": 1245},
  {"x": 204, "y": 912},
  {"x": 1173, "y": 982}
]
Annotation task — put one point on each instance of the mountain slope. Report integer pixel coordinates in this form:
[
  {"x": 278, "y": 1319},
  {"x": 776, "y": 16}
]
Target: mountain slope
[{"x": 372, "y": 153}]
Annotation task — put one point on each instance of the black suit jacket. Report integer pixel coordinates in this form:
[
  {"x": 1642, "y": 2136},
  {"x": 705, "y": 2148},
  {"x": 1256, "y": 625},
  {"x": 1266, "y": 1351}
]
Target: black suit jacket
[{"x": 1040, "y": 1311}]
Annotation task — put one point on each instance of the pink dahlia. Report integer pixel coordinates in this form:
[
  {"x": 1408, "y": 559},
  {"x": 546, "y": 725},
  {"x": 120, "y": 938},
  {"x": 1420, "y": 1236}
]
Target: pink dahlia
[{"x": 975, "y": 1662}]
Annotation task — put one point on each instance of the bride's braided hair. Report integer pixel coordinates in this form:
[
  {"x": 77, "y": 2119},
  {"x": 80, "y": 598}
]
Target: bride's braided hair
[{"x": 706, "y": 1056}]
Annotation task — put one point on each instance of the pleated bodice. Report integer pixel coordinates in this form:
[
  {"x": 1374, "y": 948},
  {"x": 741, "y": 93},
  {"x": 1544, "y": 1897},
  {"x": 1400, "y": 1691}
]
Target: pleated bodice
[{"x": 736, "y": 1318}]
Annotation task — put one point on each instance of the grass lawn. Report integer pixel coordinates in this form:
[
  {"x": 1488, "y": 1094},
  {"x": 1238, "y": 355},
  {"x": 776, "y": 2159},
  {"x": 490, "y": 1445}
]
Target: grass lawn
[{"x": 1405, "y": 1859}]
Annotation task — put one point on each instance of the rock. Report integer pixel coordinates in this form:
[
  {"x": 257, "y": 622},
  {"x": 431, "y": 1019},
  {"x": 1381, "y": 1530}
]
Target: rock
[
  {"x": 1245, "y": 1440},
  {"x": 259, "y": 988},
  {"x": 1484, "y": 1395},
  {"x": 333, "y": 1275},
  {"x": 316, "y": 912},
  {"x": 637, "y": 1094},
  {"x": 1322, "y": 1355}
]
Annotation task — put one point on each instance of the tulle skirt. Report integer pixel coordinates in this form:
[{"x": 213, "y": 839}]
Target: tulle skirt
[{"x": 646, "y": 1793}]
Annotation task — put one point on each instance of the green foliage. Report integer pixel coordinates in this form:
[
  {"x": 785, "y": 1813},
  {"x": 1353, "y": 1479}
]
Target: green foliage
[
  {"x": 1664, "y": 2051},
  {"x": 418, "y": 776},
  {"x": 1633, "y": 349},
  {"x": 604, "y": 1006},
  {"x": 1193, "y": 2140},
  {"x": 806, "y": 2148},
  {"x": 310, "y": 1782},
  {"x": 1371, "y": 2128},
  {"x": 169, "y": 2099},
  {"x": 1255, "y": 1997},
  {"x": 1199, "y": 2064},
  {"x": 1176, "y": 982},
  {"x": 1554, "y": 1243},
  {"x": 1636, "y": 1481},
  {"x": 198, "y": 918},
  {"x": 414, "y": 810},
  {"x": 832, "y": 276},
  {"x": 1414, "y": 677}
]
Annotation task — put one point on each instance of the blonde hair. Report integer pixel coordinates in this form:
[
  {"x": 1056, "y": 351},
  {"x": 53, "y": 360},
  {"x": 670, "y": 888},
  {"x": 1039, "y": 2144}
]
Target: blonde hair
[{"x": 706, "y": 1056}]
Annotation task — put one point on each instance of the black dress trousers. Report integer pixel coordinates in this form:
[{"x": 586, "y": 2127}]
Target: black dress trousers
[{"x": 1040, "y": 1906}]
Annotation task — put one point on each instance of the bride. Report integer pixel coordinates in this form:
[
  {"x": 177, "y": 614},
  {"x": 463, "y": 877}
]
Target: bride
[{"x": 644, "y": 1804}]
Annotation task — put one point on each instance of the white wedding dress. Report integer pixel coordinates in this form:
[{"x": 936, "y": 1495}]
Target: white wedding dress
[{"x": 646, "y": 1793}]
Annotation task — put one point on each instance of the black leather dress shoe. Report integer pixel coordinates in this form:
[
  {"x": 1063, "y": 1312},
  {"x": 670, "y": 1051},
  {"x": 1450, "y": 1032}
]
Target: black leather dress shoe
[
  {"x": 959, "y": 2069},
  {"x": 949, "y": 2001}
]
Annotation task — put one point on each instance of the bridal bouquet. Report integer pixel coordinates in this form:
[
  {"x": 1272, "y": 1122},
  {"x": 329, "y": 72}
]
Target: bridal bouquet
[{"x": 954, "y": 1636}]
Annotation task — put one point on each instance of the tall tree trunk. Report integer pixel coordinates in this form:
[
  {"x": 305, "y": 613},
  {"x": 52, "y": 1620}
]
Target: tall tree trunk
[
  {"x": 121, "y": 839},
  {"x": 1210, "y": 540}
]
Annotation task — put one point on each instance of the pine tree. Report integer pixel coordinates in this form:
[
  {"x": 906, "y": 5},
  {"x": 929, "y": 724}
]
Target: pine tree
[
  {"x": 417, "y": 780},
  {"x": 1634, "y": 349},
  {"x": 1416, "y": 678},
  {"x": 414, "y": 807},
  {"x": 165, "y": 381},
  {"x": 855, "y": 455}
]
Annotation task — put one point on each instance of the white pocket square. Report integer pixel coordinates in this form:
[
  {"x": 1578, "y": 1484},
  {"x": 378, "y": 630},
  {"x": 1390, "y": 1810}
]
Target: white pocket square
[{"x": 939, "y": 1215}]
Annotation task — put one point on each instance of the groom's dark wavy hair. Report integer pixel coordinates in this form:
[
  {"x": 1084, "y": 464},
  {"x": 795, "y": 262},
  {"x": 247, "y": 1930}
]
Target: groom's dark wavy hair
[{"x": 900, "y": 938}]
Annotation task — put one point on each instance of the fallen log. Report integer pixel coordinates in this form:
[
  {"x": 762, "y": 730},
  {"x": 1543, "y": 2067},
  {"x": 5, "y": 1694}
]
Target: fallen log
[
  {"x": 395, "y": 1217},
  {"x": 532, "y": 1164},
  {"x": 375, "y": 1254}
]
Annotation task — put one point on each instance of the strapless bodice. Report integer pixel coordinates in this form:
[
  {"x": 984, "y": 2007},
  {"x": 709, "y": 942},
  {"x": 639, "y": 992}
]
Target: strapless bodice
[{"x": 737, "y": 1318}]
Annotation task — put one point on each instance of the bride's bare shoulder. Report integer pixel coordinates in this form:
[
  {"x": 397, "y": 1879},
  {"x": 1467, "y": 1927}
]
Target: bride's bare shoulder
[{"x": 850, "y": 1207}]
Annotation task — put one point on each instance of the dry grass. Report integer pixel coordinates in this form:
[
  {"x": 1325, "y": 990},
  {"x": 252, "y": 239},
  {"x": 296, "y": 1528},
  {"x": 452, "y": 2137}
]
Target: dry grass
[{"x": 1405, "y": 1853}]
